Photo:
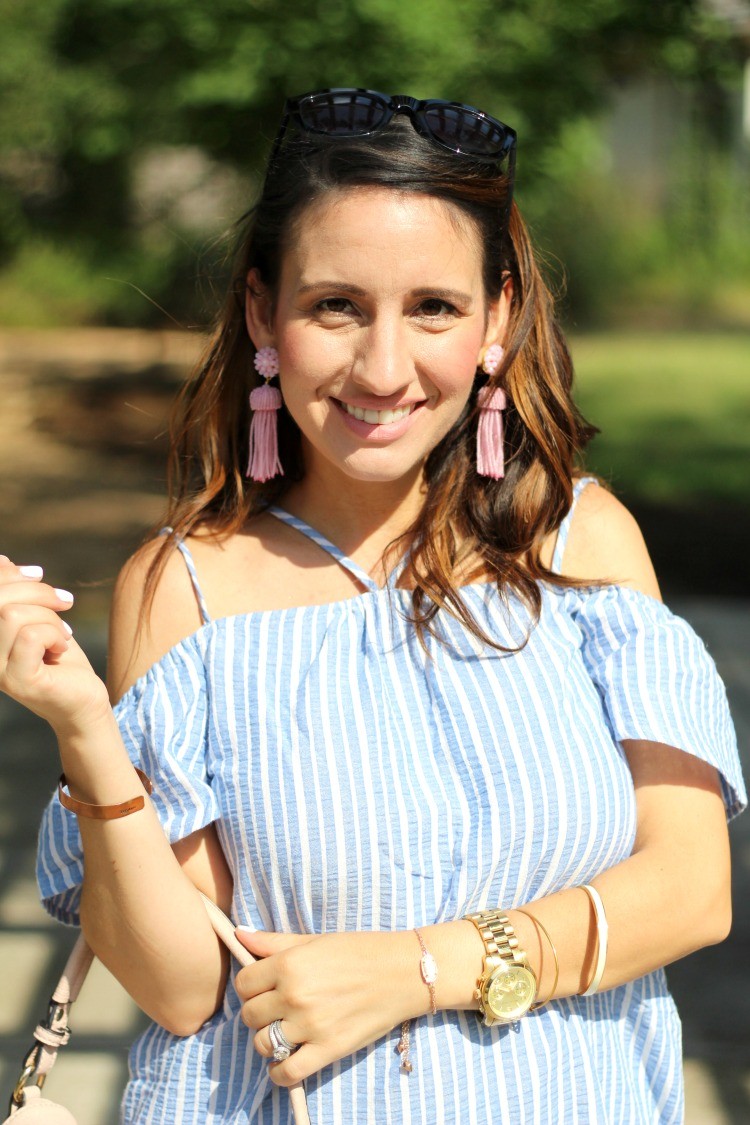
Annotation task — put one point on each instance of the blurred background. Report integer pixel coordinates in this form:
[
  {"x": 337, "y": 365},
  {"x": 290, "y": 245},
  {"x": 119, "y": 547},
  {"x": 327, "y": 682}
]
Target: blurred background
[{"x": 131, "y": 138}]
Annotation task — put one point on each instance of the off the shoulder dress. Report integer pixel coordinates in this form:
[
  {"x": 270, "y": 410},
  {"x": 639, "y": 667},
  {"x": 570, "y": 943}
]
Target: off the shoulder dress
[{"x": 358, "y": 783}]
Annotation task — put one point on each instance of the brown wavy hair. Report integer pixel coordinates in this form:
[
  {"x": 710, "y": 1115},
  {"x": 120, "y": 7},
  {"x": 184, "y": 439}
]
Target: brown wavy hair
[{"x": 498, "y": 525}]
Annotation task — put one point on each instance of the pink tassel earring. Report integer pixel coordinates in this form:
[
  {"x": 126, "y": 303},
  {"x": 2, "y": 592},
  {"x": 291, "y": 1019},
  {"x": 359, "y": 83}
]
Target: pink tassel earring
[
  {"x": 492, "y": 402},
  {"x": 263, "y": 461}
]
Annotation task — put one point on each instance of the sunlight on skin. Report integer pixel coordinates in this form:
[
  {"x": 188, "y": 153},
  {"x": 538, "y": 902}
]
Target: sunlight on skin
[{"x": 381, "y": 304}]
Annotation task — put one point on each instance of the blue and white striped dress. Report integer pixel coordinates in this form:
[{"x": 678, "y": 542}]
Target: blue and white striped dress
[{"x": 356, "y": 784}]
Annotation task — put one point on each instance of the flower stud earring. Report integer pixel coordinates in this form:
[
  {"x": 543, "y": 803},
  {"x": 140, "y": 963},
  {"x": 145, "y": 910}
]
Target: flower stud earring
[
  {"x": 263, "y": 460},
  {"x": 492, "y": 359},
  {"x": 492, "y": 401}
]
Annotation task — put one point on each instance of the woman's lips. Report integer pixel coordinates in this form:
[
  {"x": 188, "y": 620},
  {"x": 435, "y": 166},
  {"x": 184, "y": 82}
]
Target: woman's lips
[
  {"x": 379, "y": 417},
  {"x": 397, "y": 419}
]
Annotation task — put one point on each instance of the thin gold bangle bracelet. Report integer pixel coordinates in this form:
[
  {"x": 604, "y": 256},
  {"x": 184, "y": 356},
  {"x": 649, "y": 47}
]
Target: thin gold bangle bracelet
[{"x": 543, "y": 928}]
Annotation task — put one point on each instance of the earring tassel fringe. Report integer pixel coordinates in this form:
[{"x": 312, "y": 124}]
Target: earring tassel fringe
[
  {"x": 490, "y": 455},
  {"x": 263, "y": 462}
]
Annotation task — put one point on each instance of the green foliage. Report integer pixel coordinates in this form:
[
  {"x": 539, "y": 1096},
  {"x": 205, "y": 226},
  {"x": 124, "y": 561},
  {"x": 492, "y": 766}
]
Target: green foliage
[
  {"x": 53, "y": 285},
  {"x": 48, "y": 286},
  {"x": 673, "y": 410},
  {"x": 87, "y": 86},
  {"x": 616, "y": 261}
]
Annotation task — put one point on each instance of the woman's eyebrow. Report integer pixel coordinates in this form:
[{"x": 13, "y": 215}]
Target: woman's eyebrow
[
  {"x": 342, "y": 286},
  {"x": 455, "y": 296}
]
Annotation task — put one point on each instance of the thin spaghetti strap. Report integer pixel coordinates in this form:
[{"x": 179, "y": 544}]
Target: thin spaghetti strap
[
  {"x": 398, "y": 570},
  {"x": 184, "y": 550},
  {"x": 563, "y": 530},
  {"x": 343, "y": 560}
]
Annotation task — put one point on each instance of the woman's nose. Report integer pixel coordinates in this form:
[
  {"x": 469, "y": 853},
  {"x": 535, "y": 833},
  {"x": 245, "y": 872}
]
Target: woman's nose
[{"x": 383, "y": 365}]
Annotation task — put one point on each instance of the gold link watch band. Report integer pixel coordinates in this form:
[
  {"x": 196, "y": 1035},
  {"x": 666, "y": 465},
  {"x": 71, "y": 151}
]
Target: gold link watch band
[
  {"x": 498, "y": 935},
  {"x": 507, "y": 987}
]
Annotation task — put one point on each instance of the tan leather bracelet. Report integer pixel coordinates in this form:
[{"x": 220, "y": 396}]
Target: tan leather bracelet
[{"x": 103, "y": 812}]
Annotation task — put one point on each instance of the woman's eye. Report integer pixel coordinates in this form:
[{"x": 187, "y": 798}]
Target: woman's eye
[
  {"x": 335, "y": 305},
  {"x": 434, "y": 308}
]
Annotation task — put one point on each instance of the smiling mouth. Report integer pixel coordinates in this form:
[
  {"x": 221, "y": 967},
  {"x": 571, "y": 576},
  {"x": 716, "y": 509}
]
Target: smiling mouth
[{"x": 378, "y": 417}]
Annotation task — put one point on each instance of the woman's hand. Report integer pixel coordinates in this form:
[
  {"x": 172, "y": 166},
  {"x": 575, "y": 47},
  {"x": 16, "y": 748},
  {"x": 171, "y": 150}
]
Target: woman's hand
[
  {"x": 41, "y": 666},
  {"x": 334, "y": 993}
]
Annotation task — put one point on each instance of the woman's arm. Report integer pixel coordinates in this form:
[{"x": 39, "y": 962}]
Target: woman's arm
[
  {"x": 670, "y": 897},
  {"x": 338, "y": 992},
  {"x": 140, "y": 911}
]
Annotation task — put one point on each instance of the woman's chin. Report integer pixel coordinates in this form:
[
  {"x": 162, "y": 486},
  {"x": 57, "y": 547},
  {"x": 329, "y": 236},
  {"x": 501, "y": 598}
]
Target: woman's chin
[{"x": 370, "y": 466}]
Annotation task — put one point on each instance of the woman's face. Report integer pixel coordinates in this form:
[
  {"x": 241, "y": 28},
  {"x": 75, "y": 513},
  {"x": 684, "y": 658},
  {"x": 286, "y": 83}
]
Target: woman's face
[{"x": 380, "y": 323}]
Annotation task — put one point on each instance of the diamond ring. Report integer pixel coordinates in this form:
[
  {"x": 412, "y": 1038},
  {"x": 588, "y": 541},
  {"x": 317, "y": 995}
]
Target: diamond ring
[{"x": 282, "y": 1048}]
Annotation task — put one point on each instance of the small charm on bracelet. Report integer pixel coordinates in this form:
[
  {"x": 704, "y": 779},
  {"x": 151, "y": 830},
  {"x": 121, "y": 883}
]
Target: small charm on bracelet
[{"x": 402, "y": 1047}]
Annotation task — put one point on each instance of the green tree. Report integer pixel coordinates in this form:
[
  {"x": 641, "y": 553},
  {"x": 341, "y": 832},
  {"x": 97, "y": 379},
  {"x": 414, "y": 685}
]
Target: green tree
[{"x": 88, "y": 85}]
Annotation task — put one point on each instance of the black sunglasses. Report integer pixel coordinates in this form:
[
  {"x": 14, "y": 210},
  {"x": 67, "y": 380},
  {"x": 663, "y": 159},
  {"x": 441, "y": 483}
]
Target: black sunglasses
[{"x": 344, "y": 112}]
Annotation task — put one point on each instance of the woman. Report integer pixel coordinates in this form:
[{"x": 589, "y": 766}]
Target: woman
[{"x": 415, "y": 693}]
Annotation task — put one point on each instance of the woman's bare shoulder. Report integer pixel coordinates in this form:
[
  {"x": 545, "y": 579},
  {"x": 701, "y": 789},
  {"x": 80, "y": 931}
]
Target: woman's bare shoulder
[
  {"x": 142, "y": 631},
  {"x": 606, "y": 544}
]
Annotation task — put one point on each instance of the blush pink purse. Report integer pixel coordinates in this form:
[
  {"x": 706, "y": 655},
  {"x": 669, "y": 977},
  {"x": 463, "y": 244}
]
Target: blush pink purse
[{"x": 27, "y": 1106}]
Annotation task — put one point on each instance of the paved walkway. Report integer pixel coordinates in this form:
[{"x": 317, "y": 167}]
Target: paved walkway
[{"x": 711, "y": 986}]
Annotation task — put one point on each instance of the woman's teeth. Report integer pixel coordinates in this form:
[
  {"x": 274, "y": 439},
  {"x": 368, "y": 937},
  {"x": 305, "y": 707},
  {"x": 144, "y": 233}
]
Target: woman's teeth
[{"x": 377, "y": 417}]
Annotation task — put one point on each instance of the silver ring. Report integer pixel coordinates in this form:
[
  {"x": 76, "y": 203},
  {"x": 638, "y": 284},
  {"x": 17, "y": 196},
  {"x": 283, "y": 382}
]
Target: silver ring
[{"x": 282, "y": 1048}]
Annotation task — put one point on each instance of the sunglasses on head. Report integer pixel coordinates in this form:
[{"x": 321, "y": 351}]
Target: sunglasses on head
[{"x": 344, "y": 112}]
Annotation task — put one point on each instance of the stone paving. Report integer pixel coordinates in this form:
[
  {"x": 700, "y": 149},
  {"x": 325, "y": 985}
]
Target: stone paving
[{"x": 81, "y": 444}]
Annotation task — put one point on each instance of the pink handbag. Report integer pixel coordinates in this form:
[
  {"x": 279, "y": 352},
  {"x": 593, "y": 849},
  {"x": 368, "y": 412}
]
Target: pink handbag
[{"x": 27, "y": 1106}]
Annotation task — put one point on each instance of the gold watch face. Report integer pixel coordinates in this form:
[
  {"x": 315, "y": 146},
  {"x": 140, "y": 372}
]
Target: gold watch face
[{"x": 510, "y": 992}]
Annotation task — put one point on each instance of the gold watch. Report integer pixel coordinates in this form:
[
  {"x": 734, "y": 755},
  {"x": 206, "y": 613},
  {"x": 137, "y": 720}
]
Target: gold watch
[{"x": 507, "y": 987}]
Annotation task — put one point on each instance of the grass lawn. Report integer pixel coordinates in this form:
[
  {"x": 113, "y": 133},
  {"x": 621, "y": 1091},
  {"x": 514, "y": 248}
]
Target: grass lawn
[{"x": 674, "y": 411}]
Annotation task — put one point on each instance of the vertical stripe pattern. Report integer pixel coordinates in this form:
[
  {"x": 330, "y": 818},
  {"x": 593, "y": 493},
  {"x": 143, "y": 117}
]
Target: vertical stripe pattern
[{"x": 356, "y": 784}]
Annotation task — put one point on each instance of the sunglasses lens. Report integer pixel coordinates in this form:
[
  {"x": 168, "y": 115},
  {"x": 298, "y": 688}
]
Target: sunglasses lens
[
  {"x": 343, "y": 113},
  {"x": 464, "y": 130}
]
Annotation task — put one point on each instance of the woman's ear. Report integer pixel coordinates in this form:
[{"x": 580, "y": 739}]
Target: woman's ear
[
  {"x": 258, "y": 312},
  {"x": 498, "y": 314}
]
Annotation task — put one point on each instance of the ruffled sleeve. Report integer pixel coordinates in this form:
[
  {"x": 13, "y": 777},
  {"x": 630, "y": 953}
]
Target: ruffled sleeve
[
  {"x": 658, "y": 682},
  {"x": 163, "y": 722}
]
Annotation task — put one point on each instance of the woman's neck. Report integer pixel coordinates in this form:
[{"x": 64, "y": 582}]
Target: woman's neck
[{"x": 360, "y": 517}]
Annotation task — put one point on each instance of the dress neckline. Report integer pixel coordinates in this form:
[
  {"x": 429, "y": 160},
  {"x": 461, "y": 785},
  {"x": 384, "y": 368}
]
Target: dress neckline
[
  {"x": 360, "y": 574},
  {"x": 554, "y": 598},
  {"x": 353, "y": 568}
]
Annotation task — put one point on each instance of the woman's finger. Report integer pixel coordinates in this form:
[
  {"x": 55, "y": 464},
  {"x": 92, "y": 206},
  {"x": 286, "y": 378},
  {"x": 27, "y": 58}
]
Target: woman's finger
[
  {"x": 35, "y": 644},
  {"x": 15, "y": 617},
  {"x": 10, "y": 571},
  {"x": 263, "y": 1043},
  {"x": 261, "y": 1010},
  {"x": 24, "y": 583},
  {"x": 264, "y": 943},
  {"x": 30, "y": 592},
  {"x": 252, "y": 980},
  {"x": 308, "y": 1060}
]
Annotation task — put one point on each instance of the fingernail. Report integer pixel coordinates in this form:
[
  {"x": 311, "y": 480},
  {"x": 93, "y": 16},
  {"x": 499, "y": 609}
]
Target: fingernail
[
  {"x": 31, "y": 571},
  {"x": 65, "y": 595},
  {"x": 67, "y": 628},
  {"x": 246, "y": 929}
]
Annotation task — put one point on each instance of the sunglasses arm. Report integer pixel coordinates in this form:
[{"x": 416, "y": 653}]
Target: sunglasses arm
[
  {"x": 511, "y": 182},
  {"x": 279, "y": 136}
]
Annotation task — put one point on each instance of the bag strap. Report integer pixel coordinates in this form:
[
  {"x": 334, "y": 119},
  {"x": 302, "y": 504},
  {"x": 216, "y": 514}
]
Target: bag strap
[{"x": 54, "y": 1032}]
